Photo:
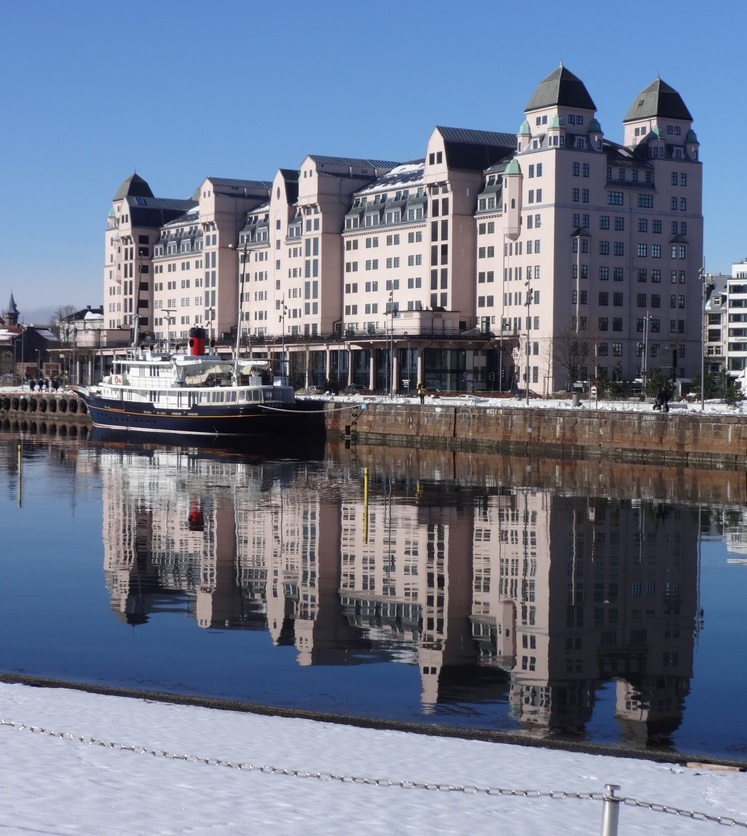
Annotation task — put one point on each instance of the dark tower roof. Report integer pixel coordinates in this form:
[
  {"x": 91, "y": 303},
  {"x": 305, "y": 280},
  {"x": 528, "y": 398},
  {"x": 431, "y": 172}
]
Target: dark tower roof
[
  {"x": 561, "y": 88},
  {"x": 658, "y": 100},
  {"x": 12, "y": 309},
  {"x": 133, "y": 186}
]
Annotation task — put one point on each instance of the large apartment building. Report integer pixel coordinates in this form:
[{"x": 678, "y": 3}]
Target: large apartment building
[{"x": 496, "y": 261}]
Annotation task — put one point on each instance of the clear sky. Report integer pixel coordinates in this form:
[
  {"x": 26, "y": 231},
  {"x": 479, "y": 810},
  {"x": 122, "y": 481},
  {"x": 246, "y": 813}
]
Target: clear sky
[{"x": 179, "y": 90}]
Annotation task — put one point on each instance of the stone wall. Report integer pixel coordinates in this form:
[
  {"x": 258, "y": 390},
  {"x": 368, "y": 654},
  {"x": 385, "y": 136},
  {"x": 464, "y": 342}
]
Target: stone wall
[{"x": 677, "y": 438}]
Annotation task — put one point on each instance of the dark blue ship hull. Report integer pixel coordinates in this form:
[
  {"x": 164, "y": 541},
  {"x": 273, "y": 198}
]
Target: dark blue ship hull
[{"x": 199, "y": 420}]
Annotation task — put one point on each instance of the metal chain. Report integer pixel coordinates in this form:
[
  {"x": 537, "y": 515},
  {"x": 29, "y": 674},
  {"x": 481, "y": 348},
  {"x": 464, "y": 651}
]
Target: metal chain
[{"x": 376, "y": 782}]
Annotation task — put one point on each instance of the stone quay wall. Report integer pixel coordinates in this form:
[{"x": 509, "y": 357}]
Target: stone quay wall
[
  {"x": 48, "y": 406},
  {"x": 677, "y": 438}
]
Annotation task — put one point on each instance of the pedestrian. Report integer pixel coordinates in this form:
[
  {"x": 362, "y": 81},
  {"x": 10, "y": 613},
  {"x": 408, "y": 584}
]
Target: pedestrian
[{"x": 421, "y": 392}]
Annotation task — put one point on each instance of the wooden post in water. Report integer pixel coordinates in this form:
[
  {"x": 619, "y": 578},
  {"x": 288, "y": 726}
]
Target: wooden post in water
[{"x": 20, "y": 474}]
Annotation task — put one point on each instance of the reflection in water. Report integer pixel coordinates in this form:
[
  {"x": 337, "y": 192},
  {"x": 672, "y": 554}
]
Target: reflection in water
[{"x": 523, "y": 595}]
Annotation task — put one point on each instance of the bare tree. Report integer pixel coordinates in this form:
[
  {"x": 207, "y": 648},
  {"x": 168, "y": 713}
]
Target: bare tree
[
  {"x": 571, "y": 351},
  {"x": 62, "y": 326}
]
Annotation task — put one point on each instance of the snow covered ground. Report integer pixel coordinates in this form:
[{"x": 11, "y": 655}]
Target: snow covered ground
[
  {"x": 171, "y": 784},
  {"x": 711, "y": 407}
]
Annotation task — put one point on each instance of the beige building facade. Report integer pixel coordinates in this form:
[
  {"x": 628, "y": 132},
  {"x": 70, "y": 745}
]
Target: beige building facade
[{"x": 497, "y": 261}]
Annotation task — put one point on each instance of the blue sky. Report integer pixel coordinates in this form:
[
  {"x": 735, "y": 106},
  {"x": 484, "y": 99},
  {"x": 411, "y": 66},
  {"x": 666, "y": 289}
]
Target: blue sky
[{"x": 179, "y": 90}]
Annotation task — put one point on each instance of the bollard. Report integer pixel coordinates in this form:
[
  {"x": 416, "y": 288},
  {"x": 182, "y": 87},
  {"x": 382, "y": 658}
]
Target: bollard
[{"x": 610, "y": 811}]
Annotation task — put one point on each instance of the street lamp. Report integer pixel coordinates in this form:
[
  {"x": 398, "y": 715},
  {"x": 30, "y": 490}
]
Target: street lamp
[
  {"x": 530, "y": 294},
  {"x": 283, "y": 311},
  {"x": 703, "y": 319},
  {"x": 169, "y": 319},
  {"x": 390, "y": 363},
  {"x": 210, "y": 312},
  {"x": 644, "y": 365},
  {"x": 578, "y": 235},
  {"x": 240, "y": 302},
  {"x": 407, "y": 361}
]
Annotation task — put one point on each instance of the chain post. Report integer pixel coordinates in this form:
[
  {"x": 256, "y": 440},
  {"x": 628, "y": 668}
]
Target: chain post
[{"x": 610, "y": 811}]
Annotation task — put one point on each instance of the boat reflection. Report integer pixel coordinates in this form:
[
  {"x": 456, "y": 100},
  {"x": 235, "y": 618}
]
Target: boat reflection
[{"x": 497, "y": 588}]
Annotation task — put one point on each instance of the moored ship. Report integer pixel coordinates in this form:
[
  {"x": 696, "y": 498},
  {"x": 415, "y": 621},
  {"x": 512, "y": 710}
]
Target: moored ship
[{"x": 197, "y": 393}]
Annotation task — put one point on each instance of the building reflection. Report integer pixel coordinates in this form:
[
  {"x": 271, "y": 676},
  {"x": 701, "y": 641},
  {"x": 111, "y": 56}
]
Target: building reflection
[{"x": 528, "y": 595}]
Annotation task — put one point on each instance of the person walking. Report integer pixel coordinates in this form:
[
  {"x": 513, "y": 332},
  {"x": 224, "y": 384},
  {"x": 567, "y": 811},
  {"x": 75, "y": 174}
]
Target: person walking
[{"x": 421, "y": 392}]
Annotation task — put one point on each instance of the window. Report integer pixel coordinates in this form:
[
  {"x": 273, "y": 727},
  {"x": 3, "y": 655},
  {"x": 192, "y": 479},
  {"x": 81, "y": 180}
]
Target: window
[
  {"x": 642, "y": 274},
  {"x": 619, "y": 248},
  {"x": 614, "y": 198},
  {"x": 656, "y": 227},
  {"x": 640, "y": 300},
  {"x": 576, "y": 170},
  {"x": 586, "y": 169},
  {"x": 645, "y": 201},
  {"x": 617, "y": 324},
  {"x": 575, "y": 195},
  {"x": 604, "y": 221},
  {"x": 617, "y": 300},
  {"x": 656, "y": 276},
  {"x": 618, "y": 274},
  {"x": 641, "y": 250},
  {"x": 656, "y": 251},
  {"x": 604, "y": 298},
  {"x": 619, "y": 224},
  {"x": 604, "y": 274},
  {"x": 603, "y": 324},
  {"x": 617, "y": 349},
  {"x": 655, "y": 300},
  {"x": 642, "y": 225}
]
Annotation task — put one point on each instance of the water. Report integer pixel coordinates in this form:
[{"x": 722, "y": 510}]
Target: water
[{"x": 583, "y": 600}]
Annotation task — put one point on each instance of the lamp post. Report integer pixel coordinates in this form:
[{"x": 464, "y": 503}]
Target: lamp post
[
  {"x": 702, "y": 339},
  {"x": 283, "y": 311},
  {"x": 210, "y": 312},
  {"x": 530, "y": 294},
  {"x": 390, "y": 363},
  {"x": 578, "y": 235},
  {"x": 407, "y": 361},
  {"x": 240, "y": 302},
  {"x": 644, "y": 365},
  {"x": 503, "y": 313},
  {"x": 169, "y": 318}
]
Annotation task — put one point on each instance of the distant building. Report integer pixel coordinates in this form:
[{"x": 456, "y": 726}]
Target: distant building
[
  {"x": 716, "y": 323},
  {"x": 498, "y": 260}
]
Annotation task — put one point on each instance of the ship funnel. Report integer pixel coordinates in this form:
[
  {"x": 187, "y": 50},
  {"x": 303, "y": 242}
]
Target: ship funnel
[{"x": 196, "y": 341}]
